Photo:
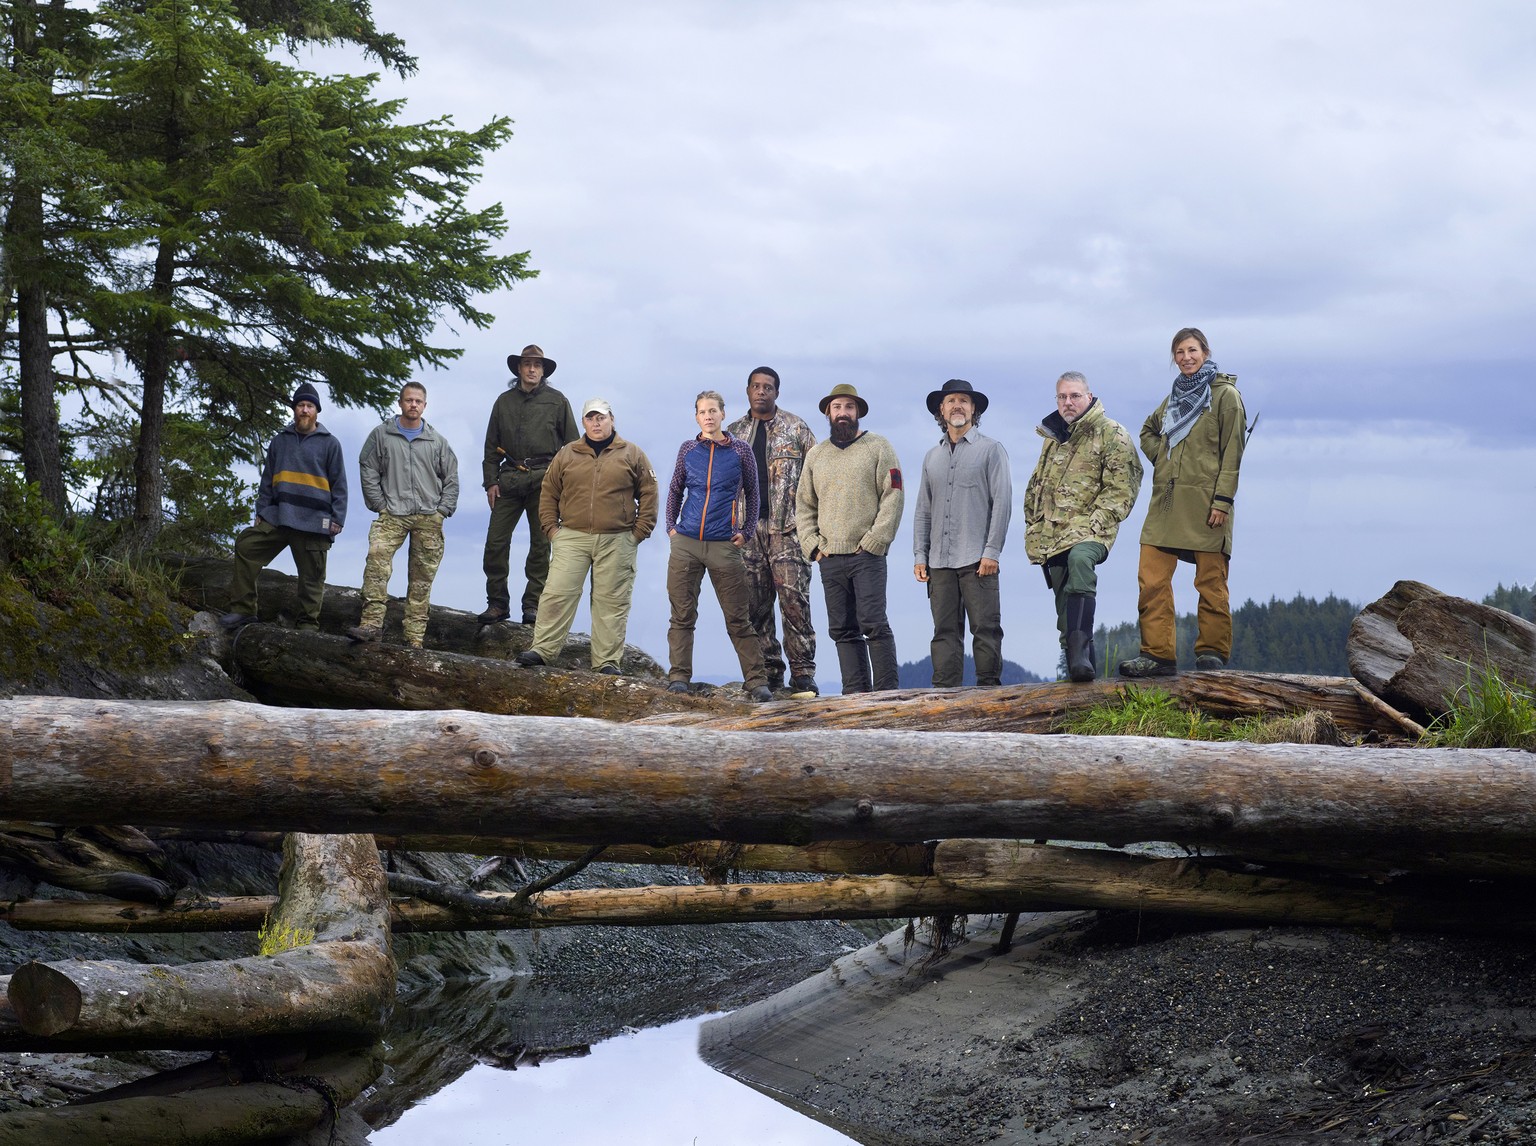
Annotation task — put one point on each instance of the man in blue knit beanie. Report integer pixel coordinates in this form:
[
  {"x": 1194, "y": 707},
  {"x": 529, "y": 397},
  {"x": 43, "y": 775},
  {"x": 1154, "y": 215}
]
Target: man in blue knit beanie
[{"x": 301, "y": 506}]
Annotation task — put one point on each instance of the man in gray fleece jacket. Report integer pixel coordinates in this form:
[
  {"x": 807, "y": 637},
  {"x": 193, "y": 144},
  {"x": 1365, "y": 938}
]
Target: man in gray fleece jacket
[
  {"x": 411, "y": 480},
  {"x": 846, "y": 512}
]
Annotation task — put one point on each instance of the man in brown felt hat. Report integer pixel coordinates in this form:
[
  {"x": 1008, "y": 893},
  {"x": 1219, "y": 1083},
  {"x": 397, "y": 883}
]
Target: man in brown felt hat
[
  {"x": 529, "y": 424},
  {"x": 847, "y": 510}
]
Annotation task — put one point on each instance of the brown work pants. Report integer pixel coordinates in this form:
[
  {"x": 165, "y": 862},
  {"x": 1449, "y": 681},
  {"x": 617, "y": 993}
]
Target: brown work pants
[{"x": 1154, "y": 606}]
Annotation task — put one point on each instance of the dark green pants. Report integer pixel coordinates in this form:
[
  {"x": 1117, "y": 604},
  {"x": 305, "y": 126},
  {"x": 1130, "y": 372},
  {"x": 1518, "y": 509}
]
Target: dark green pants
[
  {"x": 258, "y": 546},
  {"x": 518, "y": 494},
  {"x": 1074, "y": 573}
]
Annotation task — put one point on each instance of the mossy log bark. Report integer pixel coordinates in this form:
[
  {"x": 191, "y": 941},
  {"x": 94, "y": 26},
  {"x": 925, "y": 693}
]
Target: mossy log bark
[
  {"x": 339, "y": 983},
  {"x": 203, "y": 583},
  {"x": 228, "y": 764},
  {"x": 307, "y": 669},
  {"x": 1042, "y": 707},
  {"x": 1416, "y": 647},
  {"x": 251, "y": 1112},
  {"x": 970, "y": 877}
]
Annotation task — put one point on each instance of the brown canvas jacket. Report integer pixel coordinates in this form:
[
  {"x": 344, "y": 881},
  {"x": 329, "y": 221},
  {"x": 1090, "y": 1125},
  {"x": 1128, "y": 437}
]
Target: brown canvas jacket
[{"x": 611, "y": 492}]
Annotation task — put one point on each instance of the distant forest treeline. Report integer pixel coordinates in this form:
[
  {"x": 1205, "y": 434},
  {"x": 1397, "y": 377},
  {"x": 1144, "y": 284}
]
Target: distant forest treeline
[{"x": 1302, "y": 635}]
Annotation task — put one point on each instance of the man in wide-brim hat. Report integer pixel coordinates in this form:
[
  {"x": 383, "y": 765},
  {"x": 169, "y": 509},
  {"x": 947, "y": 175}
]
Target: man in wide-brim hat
[
  {"x": 847, "y": 510},
  {"x": 529, "y": 424},
  {"x": 964, "y": 499}
]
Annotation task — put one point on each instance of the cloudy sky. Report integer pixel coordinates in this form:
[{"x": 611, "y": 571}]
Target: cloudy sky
[{"x": 891, "y": 194}]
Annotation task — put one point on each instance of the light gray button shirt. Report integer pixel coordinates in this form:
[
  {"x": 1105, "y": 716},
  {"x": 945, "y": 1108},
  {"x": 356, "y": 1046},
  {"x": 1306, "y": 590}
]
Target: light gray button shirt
[{"x": 964, "y": 500}]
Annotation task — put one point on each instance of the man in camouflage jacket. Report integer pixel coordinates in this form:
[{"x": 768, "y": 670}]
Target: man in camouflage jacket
[
  {"x": 775, "y": 567},
  {"x": 1083, "y": 487}
]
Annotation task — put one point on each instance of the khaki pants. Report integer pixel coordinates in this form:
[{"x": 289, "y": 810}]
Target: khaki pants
[
  {"x": 610, "y": 557},
  {"x": 690, "y": 559},
  {"x": 1154, "y": 607},
  {"x": 385, "y": 536}
]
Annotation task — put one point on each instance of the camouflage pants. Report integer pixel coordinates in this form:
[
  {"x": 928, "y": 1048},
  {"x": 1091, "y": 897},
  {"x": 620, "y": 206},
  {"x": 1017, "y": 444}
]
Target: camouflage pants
[
  {"x": 777, "y": 571},
  {"x": 385, "y": 537}
]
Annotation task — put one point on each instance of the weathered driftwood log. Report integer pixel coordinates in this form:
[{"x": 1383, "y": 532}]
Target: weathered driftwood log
[
  {"x": 306, "y": 668},
  {"x": 228, "y": 764},
  {"x": 1041, "y": 707},
  {"x": 970, "y": 877},
  {"x": 339, "y": 982},
  {"x": 1417, "y": 646},
  {"x": 845, "y": 857},
  {"x": 251, "y": 1112},
  {"x": 86, "y": 859},
  {"x": 203, "y": 583}
]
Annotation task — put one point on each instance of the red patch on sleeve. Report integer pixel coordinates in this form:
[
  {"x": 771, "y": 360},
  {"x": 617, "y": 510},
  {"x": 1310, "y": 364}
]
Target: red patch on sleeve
[{"x": 895, "y": 479}]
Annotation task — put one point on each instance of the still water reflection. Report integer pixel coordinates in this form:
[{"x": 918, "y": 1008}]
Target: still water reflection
[{"x": 647, "y": 1088}]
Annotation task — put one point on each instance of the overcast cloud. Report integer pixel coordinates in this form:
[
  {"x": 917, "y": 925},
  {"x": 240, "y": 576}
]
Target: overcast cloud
[{"x": 1338, "y": 194}]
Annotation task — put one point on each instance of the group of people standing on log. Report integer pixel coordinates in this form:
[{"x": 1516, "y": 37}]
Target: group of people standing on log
[{"x": 756, "y": 503}]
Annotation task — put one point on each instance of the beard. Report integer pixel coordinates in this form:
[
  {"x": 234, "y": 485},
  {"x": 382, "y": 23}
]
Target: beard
[{"x": 844, "y": 430}]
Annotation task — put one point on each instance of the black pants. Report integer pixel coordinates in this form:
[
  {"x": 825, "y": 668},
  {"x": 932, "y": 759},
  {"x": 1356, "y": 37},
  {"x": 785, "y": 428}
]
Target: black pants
[
  {"x": 955, "y": 595},
  {"x": 854, "y": 584}
]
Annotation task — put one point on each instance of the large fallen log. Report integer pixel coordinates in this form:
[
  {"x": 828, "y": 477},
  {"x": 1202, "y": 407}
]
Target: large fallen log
[
  {"x": 970, "y": 877},
  {"x": 1418, "y": 647},
  {"x": 1041, "y": 707},
  {"x": 268, "y": 1111},
  {"x": 282, "y": 666},
  {"x": 203, "y": 583},
  {"x": 86, "y": 860},
  {"x": 337, "y": 982},
  {"x": 228, "y": 764},
  {"x": 846, "y": 857}
]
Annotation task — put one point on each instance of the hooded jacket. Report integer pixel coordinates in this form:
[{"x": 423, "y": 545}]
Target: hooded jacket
[
  {"x": 1198, "y": 476},
  {"x": 303, "y": 481},
  {"x": 1084, "y": 484}
]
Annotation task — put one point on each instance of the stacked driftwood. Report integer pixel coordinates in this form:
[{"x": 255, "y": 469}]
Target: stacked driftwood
[{"x": 1393, "y": 836}]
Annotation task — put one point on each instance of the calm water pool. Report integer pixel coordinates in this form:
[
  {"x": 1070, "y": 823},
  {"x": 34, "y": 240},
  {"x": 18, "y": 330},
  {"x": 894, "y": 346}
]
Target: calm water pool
[{"x": 649, "y": 1088}]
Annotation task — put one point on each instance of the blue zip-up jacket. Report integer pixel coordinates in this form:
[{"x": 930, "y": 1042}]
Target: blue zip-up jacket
[{"x": 701, "y": 499}]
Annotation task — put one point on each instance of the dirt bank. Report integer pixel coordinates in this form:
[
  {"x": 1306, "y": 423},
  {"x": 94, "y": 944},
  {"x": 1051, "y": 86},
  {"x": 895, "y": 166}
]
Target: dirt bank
[{"x": 1119, "y": 1030}]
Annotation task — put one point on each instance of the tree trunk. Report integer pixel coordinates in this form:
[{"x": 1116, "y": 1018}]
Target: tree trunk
[
  {"x": 26, "y": 258},
  {"x": 970, "y": 877},
  {"x": 1418, "y": 647},
  {"x": 250, "y": 1112},
  {"x": 281, "y": 666},
  {"x": 844, "y": 857},
  {"x": 155, "y": 372},
  {"x": 338, "y": 983},
  {"x": 1042, "y": 707},
  {"x": 228, "y": 764},
  {"x": 203, "y": 583}
]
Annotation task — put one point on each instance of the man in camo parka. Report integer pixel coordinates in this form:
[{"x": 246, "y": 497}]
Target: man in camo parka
[{"x": 1083, "y": 487}]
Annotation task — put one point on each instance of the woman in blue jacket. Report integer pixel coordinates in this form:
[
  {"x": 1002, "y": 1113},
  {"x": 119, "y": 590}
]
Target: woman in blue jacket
[{"x": 711, "y": 470}]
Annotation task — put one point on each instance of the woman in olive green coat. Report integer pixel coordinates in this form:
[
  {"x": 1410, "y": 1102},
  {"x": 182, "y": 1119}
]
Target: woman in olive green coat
[{"x": 1195, "y": 443}]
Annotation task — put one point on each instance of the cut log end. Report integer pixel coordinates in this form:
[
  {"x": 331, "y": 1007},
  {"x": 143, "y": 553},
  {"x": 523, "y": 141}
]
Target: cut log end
[{"x": 46, "y": 1002}]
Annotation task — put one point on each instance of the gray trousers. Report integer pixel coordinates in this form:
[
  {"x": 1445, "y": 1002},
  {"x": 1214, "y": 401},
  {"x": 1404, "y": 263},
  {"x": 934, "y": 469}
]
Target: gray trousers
[{"x": 955, "y": 595}]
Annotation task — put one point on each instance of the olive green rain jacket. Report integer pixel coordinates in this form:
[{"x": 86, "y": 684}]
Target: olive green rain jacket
[
  {"x": 1084, "y": 484},
  {"x": 1198, "y": 476}
]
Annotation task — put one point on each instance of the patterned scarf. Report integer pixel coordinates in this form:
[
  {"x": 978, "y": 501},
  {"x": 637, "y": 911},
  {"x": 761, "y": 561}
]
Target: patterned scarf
[{"x": 1191, "y": 395}]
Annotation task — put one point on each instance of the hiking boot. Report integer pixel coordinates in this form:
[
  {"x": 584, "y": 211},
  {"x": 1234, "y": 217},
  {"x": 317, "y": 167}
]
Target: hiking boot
[
  {"x": 760, "y": 694},
  {"x": 365, "y": 634},
  {"x": 678, "y": 686},
  {"x": 611, "y": 670},
  {"x": 775, "y": 682},
  {"x": 236, "y": 620},
  {"x": 493, "y": 615},
  {"x": 530, "y": 618},
  {"x": 803, "y": 686},
  {"x": 1148, "y": 666},
  {"x": 1209, "y": 662},
  {"x": 529, "y": 659}
]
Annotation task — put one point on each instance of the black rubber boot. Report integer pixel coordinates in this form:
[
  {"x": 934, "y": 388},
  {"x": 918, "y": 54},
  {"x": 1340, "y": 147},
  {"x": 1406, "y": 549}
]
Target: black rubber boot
[{"x": 1080, "y": 610}]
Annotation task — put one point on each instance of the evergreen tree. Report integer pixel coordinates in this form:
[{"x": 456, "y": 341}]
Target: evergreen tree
[{"x": 1517, "y": 599}]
